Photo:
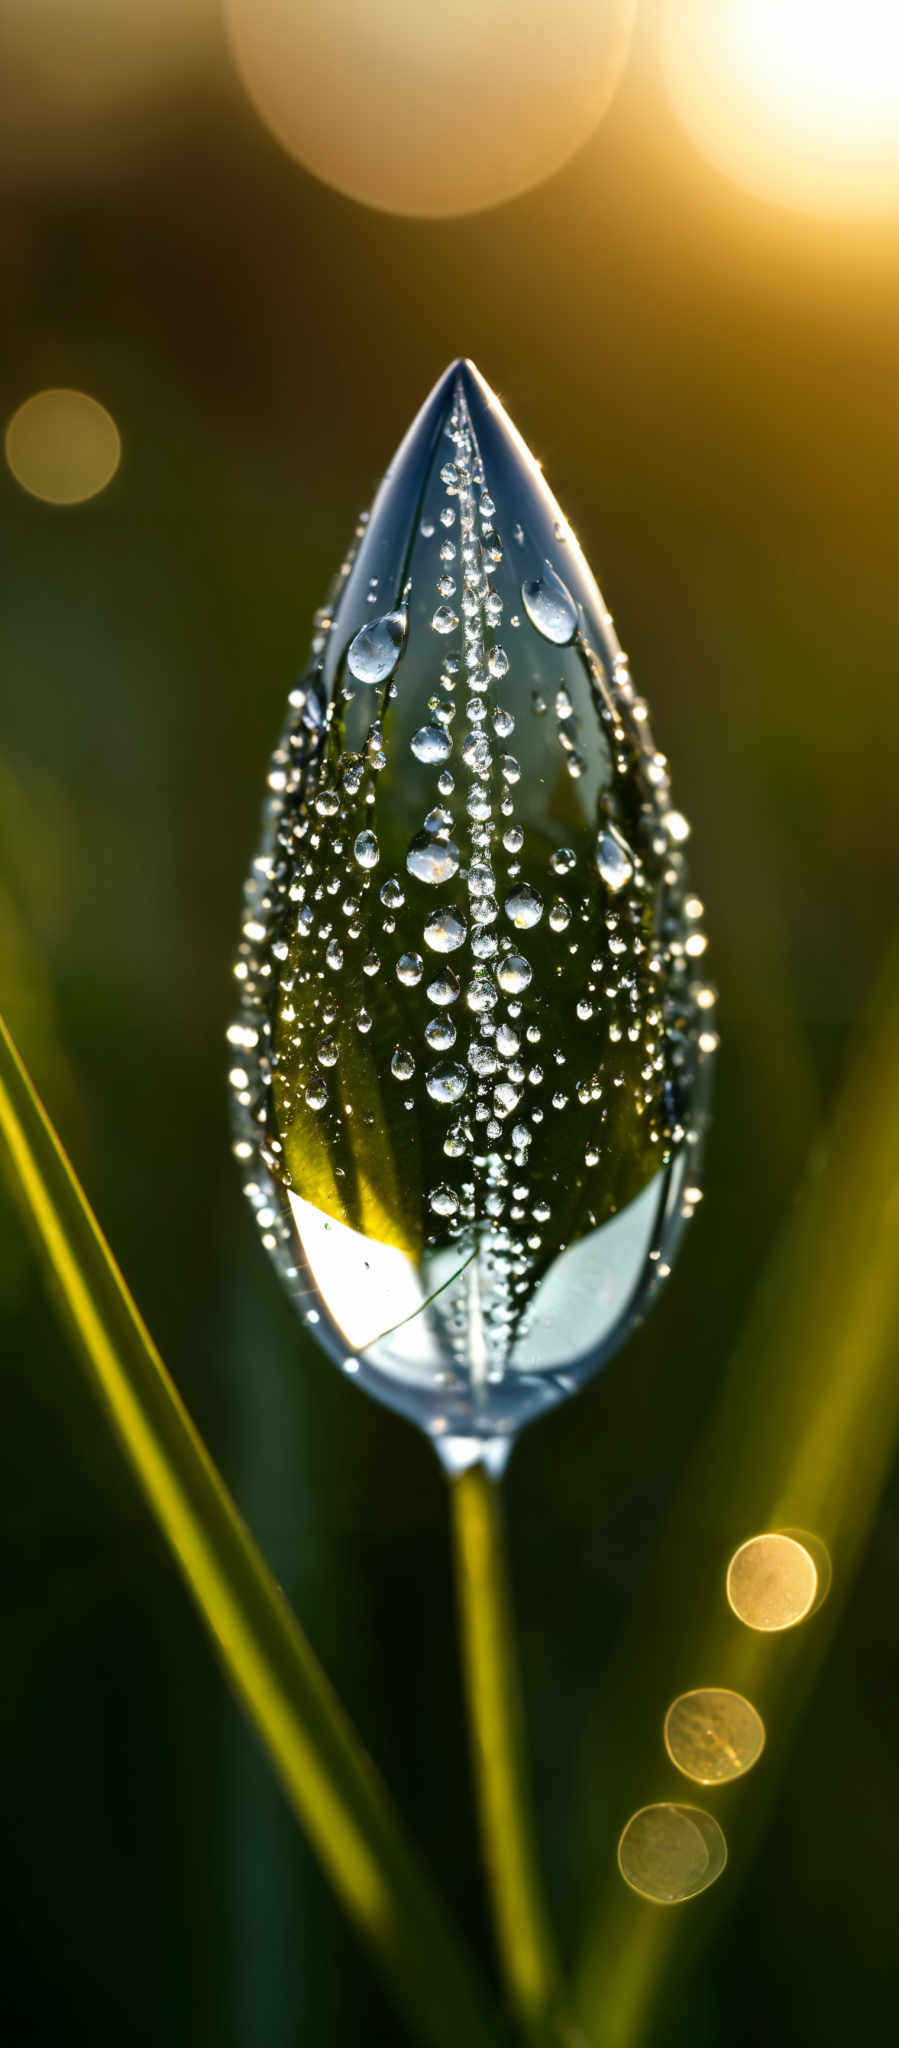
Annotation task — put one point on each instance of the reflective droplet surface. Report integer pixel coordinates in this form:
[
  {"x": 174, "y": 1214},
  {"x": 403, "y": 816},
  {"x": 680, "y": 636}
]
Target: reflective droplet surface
[
  {"x": 432, "y": 743},
  {"x": 374, "y": 652},
  {"x": 614, "y": 860},
  {"x": 445, "y": 931},
  {"x": 550, "y": 607},
  {"x": 432, "y": 860},
  {"x": 524, "y": 907},
  {"x": 365, "y": 849},
  {"x": 486, "y": 1185}
]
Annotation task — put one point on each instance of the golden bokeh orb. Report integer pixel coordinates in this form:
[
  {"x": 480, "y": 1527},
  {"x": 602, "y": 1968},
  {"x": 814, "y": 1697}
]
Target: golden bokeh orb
[
  {"x": 772, "y": 1582},
  {"x": 713, "y": 1735},
  {"x": 62, "y": 446},
  {"x": 671, "y": 1853},
  {"x": 420, "y": 111}
]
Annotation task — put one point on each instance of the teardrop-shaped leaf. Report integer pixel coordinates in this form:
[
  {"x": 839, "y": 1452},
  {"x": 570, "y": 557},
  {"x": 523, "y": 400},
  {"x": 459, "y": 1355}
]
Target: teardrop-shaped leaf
[{"x": 329, "y": 1780}]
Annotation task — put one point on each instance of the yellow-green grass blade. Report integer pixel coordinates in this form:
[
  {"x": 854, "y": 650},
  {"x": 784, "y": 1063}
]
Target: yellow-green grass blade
[
  {"x": 800, "y": 1440},
  {"x": 330, "y": 1782},
  {"x": 524, "y": 1936}
]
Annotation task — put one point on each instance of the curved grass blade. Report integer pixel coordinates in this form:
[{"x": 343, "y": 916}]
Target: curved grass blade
[
  {"x": 329, "y": 1780},
  {"x": 801, "y": 1439}
]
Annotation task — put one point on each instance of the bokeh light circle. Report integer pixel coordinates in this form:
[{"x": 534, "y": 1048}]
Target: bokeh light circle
[
  {"x": 62, "y": 446},
  {"x": 670, "y": 1853},
  {"x": 772, "y": 1582},
  {"x": 713, "y": 1735},
  {"x": 418, "y": 111},
  {"x": 796, "y": 100}
]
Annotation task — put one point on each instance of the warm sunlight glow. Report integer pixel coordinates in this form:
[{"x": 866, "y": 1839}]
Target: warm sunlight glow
[
  {"x": 62, "y": 446},
  {"x": 670, "y": 1853},
  {"x": 796, "y": 99},
  {"x": 420, "y": 111}
]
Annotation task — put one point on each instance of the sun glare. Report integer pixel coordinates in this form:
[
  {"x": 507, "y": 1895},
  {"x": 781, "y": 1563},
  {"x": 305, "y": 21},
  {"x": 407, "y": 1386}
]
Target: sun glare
[{"x": 798, "y": 100}]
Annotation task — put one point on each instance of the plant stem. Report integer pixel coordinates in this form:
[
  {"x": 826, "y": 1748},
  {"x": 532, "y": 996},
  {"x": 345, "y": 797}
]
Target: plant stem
[
  {"x": 327, "y": 1776},
  {"x": 524, "y": 1937}
]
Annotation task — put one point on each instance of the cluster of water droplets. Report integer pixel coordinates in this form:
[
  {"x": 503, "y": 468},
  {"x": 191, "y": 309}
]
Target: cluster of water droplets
[{"x": 472, "y": 1004}]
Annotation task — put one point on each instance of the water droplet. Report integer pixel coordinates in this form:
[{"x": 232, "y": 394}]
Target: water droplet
[
  {"x": 409, "y": 969},
  {"x": 480, "y": 994},
  {"x": 440, "y": 1033},
  {"x": 481, "y": 878},
  {"x": 614, "y": 859},
  {"x": 444, "y": 1201},
  {"x": 550, "y": 607},
  {"x": 447, "y": 1083},
  {"x": 445, "y": 931},
  {"x": 316, "y": 1093},
  {"x": 402, "y": 1065},
  {"x": 374, "y": 653},
  {"x": 443, "y": 990},
  {"x": 482, "y": 1059},
  {"x": 432, "y": 860},
  {"x": 438, "y": 820},
  {"x": 524, "y": 907},
  {"x": 445, "y": 620},
  {"x": 431, "y": 743},
  {"x": 365, "y": 850},
  {"x": 514, "y": 974}
]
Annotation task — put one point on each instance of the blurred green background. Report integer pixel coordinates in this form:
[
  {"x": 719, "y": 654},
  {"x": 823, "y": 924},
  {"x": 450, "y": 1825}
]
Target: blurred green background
[{"x": 711, "y": 383}]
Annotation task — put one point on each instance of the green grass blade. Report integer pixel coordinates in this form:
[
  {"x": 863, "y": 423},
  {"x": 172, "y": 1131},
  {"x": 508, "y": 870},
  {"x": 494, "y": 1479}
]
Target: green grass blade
[
  {"x": 330, "y": 1782},
  {"x": 801, "y": 1438},
  {"x": 524, "y": 1935}
]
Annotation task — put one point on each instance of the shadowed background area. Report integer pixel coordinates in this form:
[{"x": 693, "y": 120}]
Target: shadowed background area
[{"x": 710, "y": 381}]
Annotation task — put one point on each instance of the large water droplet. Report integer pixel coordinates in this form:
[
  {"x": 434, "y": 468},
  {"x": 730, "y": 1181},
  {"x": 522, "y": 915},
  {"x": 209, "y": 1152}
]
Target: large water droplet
[
  {"x": 373, "y": 654},
  {"x": 524, "y": 906},
  {"x": 550, "y": 606},
  {"x": 445, "y": 931},
  {"x": 432, "y": 860},
  {"x": 444, "y": 989},
  {"x": 472, "y": 1169},
  {"x": 447, "y": 1084},
  {"x": 444, "y": 620},
  {"x": 365, "y": 849},
  {"x": 513, "y": 974},
  {"x": 614, "y": 859},
  {"x": 432, "y": 743}
]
